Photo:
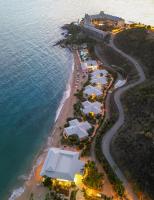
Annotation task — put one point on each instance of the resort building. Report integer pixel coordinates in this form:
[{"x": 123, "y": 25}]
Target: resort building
[
  {"x": 62, "y": 165},
  {"x": 89, "y": 65},
  {"x": 92, "y": 91},
  {"x": 99, "y": 81},
  {"x": 99, "y": 73},
  {"x": 92, "y": 107},
  {"x": 77, "y": 128},
  {"x": 101, "y": 18}
]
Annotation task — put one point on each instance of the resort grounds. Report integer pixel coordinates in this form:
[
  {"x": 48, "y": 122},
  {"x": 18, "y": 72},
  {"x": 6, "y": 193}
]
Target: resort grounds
[{"x": 78, "y": 81}]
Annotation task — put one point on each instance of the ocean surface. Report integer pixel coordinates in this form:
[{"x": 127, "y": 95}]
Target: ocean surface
[{"x": 34, "y": 74}]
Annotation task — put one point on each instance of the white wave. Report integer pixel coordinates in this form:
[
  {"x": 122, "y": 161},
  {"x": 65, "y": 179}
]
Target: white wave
[
  {"x": 16, "y": 193},
  {"x": 23, "y": 177},
  {"x": 66, "y": 94},
  {"x": 38, "y": 162},
  {"x": 65, "y": 97},
  {"x": 19, "y": 191}
]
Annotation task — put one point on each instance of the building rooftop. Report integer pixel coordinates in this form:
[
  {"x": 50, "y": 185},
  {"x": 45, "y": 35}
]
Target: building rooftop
[
  {"x": 62, "y": 164},
  {"x": 100, "y": 80},
  {"x": 99, "y": 72},
  {"x": 92, "y": 62},
  {"x": 78, "y": 128},
  {"x": 90, "y": 90},
  {"x": 94, "y": 107},
  {"x": 104, "y": 16}
]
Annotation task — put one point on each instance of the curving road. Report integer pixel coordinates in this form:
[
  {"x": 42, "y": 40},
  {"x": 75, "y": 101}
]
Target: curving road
[{"x": 109, "y": 134}]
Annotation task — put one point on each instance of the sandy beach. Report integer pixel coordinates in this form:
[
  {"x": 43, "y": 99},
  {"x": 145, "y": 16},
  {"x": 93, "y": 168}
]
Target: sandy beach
[{"x": 33, "y": 184}]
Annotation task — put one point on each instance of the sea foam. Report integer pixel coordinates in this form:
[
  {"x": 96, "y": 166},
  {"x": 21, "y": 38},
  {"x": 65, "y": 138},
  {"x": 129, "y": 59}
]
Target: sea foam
[
  {"x": 16, "y": 193},
  {"x": 66, "y": 94}
]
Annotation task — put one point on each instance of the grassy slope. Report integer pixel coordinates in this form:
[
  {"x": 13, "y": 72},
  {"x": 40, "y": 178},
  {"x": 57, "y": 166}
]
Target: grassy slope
[{"x": 134, "y": 145}]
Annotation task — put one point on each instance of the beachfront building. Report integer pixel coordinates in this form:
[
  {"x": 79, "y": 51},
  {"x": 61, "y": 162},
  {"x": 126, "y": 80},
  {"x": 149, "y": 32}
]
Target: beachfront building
[
  {"x": 77, "y": 128},
  {"x": 101, "y": 18},
  {"x": 93, "y": 108},
  {"x": 62, "y": 165},
  {"x": 100, "y": 81},
  {"x": 92, "y": 91},
  {"x": 89, "y": 65},
  {"x": 99, "y": 73}
]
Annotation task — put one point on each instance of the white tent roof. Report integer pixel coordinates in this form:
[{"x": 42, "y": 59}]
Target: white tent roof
[
  {"x": 62, "y": 164},
  {"x": 94, "y": 107},
  {"x": 101, "y": 80},
  {"x": 74, "y": 122},
  {"x": 91, "y": 62},
  {"x": 84, "y": 66},
  {"x": 78, "y": 128},
  {"x": 99, "y": 72},
  {"x": 90, "y": 90}
]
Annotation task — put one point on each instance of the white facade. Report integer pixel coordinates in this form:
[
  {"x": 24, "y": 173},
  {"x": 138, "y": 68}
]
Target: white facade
[
  {"x": 90, "y": 91},
  {"x": 99, "y": 73},
  {"x": 77, "y": 128},
  {"x": 89, "y": 65},
  {"x": 90, "y": 107},
  {"x": 100, "y": 81},
  {"x": 102, "y": 17},
  {"x": 62, "y": 164}
]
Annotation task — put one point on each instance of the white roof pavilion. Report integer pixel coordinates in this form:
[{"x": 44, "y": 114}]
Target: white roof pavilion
[
  {"x": 99, "y": 72},
  {"x": 62, "y": 164},
  {"x": 94, "y": 107},
  {"x": 90, "y": 90},
  {"x": 92, "y": 62},
  {"x": 89, "y": 65},
  {"x": 78, "y": 128},
  {"x": 101, "y": 80}
]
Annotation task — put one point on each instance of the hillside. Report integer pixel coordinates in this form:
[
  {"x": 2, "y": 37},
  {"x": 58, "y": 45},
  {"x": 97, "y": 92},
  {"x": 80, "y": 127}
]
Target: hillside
[
  {"x": 133, "y": 147},
  {"x": 139, "y": 43}
]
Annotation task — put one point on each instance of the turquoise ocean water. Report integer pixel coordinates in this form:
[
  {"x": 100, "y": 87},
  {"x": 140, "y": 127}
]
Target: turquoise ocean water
[{"x": 34, "y": 73}]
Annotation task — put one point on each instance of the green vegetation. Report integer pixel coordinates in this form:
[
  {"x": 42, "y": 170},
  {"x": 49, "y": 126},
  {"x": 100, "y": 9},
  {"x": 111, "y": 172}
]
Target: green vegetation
[
  {"x": 139, "y": 43},
  {"x": 119, "y": 63},
  {"x": 50, "y": 196},
  {"x": 134, "y": 143},
  {"x": 77, "y": 109},
  {"x": 71, "y": 140},
  {"x": 73, "y": 195},
  {"x": 92, "y": 178},
  {"x": 76, "y": 37},
  {"x": 31, "y": 196},
  {"x": 117, "y": 184},
  {"x": 85, "y": 148},
  {"x": 79, "y": 95},
  {"x": 54, "y": 196},
  {"x": 133, "y": 147},
  {"x": 47, "y": 182}
]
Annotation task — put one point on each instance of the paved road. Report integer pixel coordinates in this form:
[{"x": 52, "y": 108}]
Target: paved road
[{"x": 109, "y": 135}]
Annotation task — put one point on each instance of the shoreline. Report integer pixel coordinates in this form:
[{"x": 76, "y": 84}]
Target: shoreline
[{"x": 65, "y": 110}]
